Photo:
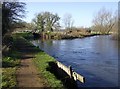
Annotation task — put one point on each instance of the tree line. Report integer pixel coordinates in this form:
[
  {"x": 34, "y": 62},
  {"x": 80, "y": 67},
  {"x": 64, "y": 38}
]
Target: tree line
[
  {"x": 103, "y": 22},
  {"x": 12, "y": 13}
]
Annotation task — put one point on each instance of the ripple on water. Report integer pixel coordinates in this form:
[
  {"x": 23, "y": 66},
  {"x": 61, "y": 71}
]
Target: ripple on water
[
  {"x": 82, "y": 59},
  {"x": 95, "y": 53},
  {"x": 108, "y": 62}
]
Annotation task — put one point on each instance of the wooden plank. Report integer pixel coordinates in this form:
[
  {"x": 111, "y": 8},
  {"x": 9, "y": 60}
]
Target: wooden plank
[
  {"x": 78, "y": 77},
  {"x": 65, "y": 68},
  {"x": 75, "y": 75}
]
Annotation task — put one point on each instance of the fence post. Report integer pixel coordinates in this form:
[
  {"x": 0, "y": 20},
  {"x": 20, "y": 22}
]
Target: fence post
[
  {"x": 73, "y": 83},
  {"x": 70, "y": 68}
]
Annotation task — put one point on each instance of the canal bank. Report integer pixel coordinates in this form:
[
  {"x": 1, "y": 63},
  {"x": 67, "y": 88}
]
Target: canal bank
[
  {"x": 94, "y": 57},
  {"x": 26, "y": 73},
  {"x": 47, "y": 67},
  {"x": 81, "y": 64}
]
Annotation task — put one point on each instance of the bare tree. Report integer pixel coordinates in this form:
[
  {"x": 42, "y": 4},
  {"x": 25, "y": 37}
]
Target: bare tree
[
  {"x": 115, "y": 29},
  {"x": 68, "y": 21},
  {"x": 103, "y": 21},
  {"x": 115, "y": 18},
  {"x": 46, "y": 21},
  {"x": 51, "y": 20}
]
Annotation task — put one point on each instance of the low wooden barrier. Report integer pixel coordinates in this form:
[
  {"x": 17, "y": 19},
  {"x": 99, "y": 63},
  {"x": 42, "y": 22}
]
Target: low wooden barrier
[{"x": 70, "y": 72}]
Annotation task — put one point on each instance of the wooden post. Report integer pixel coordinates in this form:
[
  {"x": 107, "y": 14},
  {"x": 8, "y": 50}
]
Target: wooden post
[
  {"x": 70, "y": 72},
  {"x": 49, "y": 36},
  {"x": 43, "y": 35},
  {"x": 70, "y": 68},
  {"x": 73, "y": 83}
]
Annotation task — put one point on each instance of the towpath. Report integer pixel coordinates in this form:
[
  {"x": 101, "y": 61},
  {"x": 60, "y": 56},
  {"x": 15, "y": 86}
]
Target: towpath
[{"x": 27, "y": 74}]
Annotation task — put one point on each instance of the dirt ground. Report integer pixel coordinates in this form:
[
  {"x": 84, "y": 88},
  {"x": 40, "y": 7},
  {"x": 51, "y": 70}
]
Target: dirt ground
[{"x": 27, "y": 74}]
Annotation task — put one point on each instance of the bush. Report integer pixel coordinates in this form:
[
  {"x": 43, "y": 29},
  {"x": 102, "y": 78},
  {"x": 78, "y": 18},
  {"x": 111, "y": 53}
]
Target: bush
[
  {"x": 9, "y": 62},
  {"x": 25, "y": 35}
]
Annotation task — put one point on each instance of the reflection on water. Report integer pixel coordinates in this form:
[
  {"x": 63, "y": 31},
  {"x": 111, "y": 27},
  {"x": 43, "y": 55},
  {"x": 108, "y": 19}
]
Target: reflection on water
[{"x": 95, "y": 57}]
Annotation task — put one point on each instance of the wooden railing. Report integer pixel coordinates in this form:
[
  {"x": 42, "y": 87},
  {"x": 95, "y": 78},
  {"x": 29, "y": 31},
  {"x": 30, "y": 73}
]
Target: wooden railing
[{"x": 70, "y": 72}]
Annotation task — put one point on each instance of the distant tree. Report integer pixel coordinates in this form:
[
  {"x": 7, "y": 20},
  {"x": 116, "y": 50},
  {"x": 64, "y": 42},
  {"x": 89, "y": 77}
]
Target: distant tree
[
  {"x": 68, "y": 21},
  {"x": 115, "y": 19},
  {"x": 103, "y": 21},
  {"x": 51, "y": 20},
  {"x": 46, "y": 21},
  {"x": 12, "y": 12},
  {"x": 20, "y": 24},
  {"x": 115, "y": 29},
  {"x": 25, "y": 26},
  {"x": 39, "y": 22},
  {"x": 30, "y": 26},
  {"x": 57, "y": 26},
  {"x": 119, "y": 26}
]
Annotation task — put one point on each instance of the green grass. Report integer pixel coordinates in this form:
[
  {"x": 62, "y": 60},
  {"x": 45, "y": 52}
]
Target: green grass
[
  {"x": 8, "y": 78},
  {"x": 41, "y": 61},
  {"x": 9, "y": 64},
  {"x": 11, "y": 61},
  {"x": 25, "y": 35}
]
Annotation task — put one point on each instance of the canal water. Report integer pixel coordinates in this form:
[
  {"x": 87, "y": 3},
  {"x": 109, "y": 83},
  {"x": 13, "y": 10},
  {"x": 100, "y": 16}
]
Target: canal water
[{"x": 96, "y": 58}]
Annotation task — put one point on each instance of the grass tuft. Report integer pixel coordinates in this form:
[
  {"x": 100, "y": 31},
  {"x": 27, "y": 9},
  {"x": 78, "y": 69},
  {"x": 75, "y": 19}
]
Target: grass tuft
[
  {"x": 41, "y": 61},
  {"x": 8, "y": 78}
]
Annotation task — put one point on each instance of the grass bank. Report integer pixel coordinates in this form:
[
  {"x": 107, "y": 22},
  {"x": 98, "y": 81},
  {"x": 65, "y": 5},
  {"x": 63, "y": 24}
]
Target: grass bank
[
  {"x": 58, "y": 36},
  {"x": 11, "y": 61},
  {"x": 65, "y": 35},
  {"x": 41, "y": 60},
  {"x": 27, "y": 36}
]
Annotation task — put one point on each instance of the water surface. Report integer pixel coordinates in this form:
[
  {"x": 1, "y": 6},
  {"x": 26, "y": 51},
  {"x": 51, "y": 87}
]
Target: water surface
[{"x": 96, "y": 58}]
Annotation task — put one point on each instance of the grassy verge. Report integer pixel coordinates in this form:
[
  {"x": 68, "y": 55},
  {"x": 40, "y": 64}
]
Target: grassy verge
[
  {"x": 9, "y": 64},
  {"x": 8, "y": 78},
  {"x": 25, "y": 35},
  {"x": 41, "y": 60},
  {"x": 11, "y": 60}
]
